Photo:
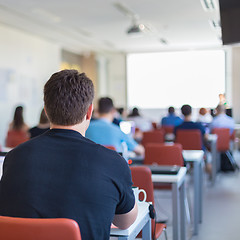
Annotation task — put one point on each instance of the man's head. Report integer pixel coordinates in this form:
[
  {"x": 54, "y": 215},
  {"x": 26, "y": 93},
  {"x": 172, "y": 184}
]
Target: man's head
[
  {"x": 186, "y": 110},
  {"x": 105, "y": 105},
  {"x": 171, "y": 110},
  {"x": 220, "y": 109},
  {"x": 67, "y": 97}
]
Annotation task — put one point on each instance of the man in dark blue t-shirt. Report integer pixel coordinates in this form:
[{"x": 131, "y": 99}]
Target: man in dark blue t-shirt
[
  {"x": 188, "y": 123},
  {"x": 62, "y": 174}
]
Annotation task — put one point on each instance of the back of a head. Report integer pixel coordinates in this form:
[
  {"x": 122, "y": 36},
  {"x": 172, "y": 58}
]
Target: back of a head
[
  {"x": 43, "y": 117},
  {"x": 105, "y": 105},
  {"x": 186, "y": 110},
  {"x": 18, "y": 118},
  {"x": 221, "y": 108},
  {"x": 202, "y": 111},
  {"x": 67, "y": 97},
  {"x": 134, "y": 113},
  {"x": 171, "y": 110}
]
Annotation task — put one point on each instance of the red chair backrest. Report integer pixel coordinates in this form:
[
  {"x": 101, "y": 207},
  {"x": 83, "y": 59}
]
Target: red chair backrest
[
  {"x": 12, "y": 228},
  {"x": 163, "y": 154},
  {"x": 16, "y": 137},
  {"x": 168, "y": 129},
  {"x": 142, "y": 178},
  {"x": 223, "y": 138},
  {"x": 190, "y": 139},
  {"x": 110, "y": 147},
  {"x": 156, "y": 136}
]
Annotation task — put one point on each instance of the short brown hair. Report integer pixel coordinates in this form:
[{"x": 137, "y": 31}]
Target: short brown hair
[
  {"x": 186, "y": 110},
  {"x": 67, "y": 96},
  {"x": 105, "y": 105}
]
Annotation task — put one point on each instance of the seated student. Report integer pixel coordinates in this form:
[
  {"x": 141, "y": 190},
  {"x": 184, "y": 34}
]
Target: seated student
[
  {"x": 62, "y": 174},
  {"x": 142, "y": 123},
  {"x": 18, "y": 129},
  {"x": 204, "y": 116},
  {"x": 106, "y": 133},
  {"x": 188, "y": 123},
  {"x": 222, "y": 120},
  {"x": 42, "y": 127},
  {"x": 171, "y": 119}
]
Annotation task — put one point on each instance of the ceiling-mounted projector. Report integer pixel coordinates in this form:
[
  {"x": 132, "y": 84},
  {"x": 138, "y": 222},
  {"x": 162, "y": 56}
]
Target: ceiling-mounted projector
[{"x": 136, "y": 28}]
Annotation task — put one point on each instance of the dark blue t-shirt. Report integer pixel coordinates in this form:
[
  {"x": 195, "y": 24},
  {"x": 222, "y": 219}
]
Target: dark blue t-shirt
[{"x": 62, "y": 174}]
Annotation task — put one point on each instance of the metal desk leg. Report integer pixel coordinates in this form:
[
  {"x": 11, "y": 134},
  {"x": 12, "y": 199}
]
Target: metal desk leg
[
  {"x": 183, "y": 210},
  {"x": 147, "y": 231},
  {"x": 175, "y": 209},
  {"x": 196, "y": 169},
  {"x": 214, "y": 160},
  {"x": 201, "y": 169}
]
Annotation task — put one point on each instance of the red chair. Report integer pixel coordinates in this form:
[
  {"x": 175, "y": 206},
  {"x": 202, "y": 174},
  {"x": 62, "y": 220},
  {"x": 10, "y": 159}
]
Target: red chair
[
  {"x": 156, "y": 136},
  {"x": 110, "y": 147},
  {"x": 223, "y": 141},
  {"x": 12, "y": 228},
  {"x": 168, "y": 129},
  {"x": 190, "y": 139},
  {"x": 16, "y": 137},
  {"x": 223, "y": 144},
  {"x": 163, "y": 154},
  {"x": 142, "y": 178}
]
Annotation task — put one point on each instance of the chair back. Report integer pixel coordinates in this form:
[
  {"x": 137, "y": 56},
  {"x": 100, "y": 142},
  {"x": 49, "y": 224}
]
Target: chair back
[
  {"x": 190, "y": 139},
  {"x": 168, "y": 129},
  {"x": 163, "y": 154},
  {"x": 16, "y": 137},
  {"x": 156, "y": 136},
  {"x": 110, "y": 147},
  {"x": 142, "y": 178},
  {"x": 12, "y": 228},
  {"x": 223, "y": 140}
]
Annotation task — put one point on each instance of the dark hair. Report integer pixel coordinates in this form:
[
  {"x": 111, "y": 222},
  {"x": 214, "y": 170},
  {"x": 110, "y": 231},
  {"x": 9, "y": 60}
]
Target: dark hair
[
  {"x": 171, "y": 110},
  {"x": 105, "y": 105},
  {"x": 134, "y": 113},
  {"x": 43, "y": 118},
  {"x": 186, "y": 110},
  {"x": 67, "y": 96},
  {"x": 18, "y": 121}
]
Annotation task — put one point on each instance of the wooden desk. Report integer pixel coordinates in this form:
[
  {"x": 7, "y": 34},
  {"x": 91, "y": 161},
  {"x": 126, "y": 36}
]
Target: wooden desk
[
  {"x": 196, "y": 157},
  {"x": 178, "y": 198},
  {"x": 143, "y": 222}
]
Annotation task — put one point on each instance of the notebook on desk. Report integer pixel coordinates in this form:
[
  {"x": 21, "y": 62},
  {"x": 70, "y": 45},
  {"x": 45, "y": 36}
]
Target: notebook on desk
[{"x": 163, "y": 169}]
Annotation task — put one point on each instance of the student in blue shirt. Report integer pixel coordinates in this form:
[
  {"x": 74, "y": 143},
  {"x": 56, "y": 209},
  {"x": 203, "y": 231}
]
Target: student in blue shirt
[
  {"x": 171, "y": 119},
  {"x": 104, "y": 132}
]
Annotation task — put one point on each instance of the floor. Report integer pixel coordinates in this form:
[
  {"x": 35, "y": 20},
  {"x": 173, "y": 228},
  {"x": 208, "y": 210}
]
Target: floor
[{"x": 221, "y": 208}]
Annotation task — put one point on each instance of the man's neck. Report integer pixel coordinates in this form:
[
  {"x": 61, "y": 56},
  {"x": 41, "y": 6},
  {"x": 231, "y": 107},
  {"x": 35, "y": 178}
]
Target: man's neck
[
  {"x": 81, "y": 127},
  {"x": 107, "y": 116},
  {"x": 188, "y": 118}
]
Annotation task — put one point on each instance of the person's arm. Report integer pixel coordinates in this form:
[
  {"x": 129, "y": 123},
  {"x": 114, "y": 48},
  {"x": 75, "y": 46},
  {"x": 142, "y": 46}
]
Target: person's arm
[
  {"x": 124, "y": 221},
  {"x": 139, "y": 150}
]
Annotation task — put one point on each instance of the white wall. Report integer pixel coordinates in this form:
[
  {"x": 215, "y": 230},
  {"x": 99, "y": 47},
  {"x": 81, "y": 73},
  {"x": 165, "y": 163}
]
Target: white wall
[
  {"x": 236, "y": 83},
  {"x": 112, "y": 77},
  {"x": 26, "y": 63}
]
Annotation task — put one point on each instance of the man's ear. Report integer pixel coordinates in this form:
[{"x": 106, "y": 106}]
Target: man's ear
[
  {"x": 45, "y": 111},
  {"x": 89, "y": 112}
]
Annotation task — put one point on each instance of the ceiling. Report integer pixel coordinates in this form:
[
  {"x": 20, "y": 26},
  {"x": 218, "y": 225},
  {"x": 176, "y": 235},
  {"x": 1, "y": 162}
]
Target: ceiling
[{"x": 98, "y": 25}]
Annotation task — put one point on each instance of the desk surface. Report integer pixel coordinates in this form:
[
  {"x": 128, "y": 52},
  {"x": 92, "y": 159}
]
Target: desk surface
[
  {"x": 142, "y": 213},
  {"x": 193, "y": 155},
  {"x": 168, "y": 178}
]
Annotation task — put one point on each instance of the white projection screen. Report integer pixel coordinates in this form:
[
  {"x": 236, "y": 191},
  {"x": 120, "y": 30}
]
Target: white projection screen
[{"x": 160, "y": 80}]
